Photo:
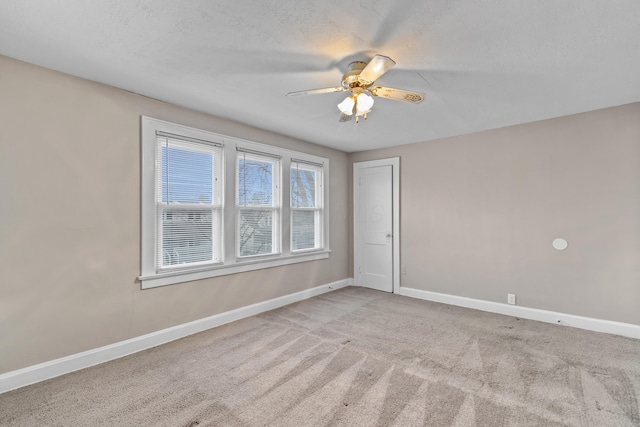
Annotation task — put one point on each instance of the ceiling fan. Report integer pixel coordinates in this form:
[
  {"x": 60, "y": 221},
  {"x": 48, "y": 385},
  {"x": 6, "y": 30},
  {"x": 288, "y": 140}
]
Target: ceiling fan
[{"x": 359, "y": 80}]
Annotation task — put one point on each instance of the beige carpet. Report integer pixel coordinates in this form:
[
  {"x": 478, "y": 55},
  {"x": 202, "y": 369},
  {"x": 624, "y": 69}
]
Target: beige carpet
[{"x": 354, "y": 357}]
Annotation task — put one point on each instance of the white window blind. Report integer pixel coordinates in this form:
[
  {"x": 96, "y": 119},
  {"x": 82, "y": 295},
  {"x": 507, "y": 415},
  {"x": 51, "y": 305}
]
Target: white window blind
[
  {"x": 306, "y": 205},
  {"x": 258, "y": 203},
  {"x": 188, "y": 202}
]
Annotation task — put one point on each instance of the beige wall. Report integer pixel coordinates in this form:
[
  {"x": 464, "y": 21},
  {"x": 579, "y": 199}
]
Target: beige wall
[
  {"x": 70, "y": 220},
  {"x": 479, "y": 213}
]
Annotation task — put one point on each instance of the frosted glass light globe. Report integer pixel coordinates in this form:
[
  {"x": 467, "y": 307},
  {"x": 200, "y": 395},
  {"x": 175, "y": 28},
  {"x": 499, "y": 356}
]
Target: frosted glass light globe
[{"x": 346, "y": 106}]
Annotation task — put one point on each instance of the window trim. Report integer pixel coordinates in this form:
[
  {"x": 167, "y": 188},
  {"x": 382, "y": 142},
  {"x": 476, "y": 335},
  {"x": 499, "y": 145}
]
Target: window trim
[{"x": 231, "y": 264}]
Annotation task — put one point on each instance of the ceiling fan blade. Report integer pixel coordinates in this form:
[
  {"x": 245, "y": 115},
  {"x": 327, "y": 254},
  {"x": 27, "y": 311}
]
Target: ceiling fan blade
[
  {"x": 397, "y": 94},
  {"x": 379, "y": 65},
  {"x": 317, "y": 91},
  {"x": 345, "y": 117}
]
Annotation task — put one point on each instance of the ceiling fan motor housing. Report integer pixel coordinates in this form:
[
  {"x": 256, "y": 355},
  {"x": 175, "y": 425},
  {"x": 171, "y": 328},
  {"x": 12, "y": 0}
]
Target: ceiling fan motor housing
[{"x": 350, "y": 78}]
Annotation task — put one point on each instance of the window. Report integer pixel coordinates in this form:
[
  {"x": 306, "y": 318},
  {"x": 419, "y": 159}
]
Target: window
[
  {"x": 258, "y": 201},
  {"x": 215, "y": 205},
  {"x": 306, "y": 205},
  {"x": 188, "y": 202}
]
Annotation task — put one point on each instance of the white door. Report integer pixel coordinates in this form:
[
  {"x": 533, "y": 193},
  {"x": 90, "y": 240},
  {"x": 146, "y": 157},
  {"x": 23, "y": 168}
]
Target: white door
[{"x": 374, "y": 241}]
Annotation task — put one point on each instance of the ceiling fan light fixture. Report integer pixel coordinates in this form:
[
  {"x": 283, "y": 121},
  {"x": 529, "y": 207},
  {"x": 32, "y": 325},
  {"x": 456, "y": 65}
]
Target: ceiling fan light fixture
[
  {"x": 346, "y": 106},
  {"x": 364, "y": 103}
]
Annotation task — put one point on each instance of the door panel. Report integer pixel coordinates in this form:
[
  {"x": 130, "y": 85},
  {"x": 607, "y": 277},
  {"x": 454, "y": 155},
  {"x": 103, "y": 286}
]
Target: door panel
[{"x": 375, "y": 226}]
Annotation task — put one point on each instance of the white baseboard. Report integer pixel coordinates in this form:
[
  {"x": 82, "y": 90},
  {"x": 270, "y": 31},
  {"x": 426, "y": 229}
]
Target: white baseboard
[
  {"x": 598, "y": 325},
  {"x": 43, "y": 371}
]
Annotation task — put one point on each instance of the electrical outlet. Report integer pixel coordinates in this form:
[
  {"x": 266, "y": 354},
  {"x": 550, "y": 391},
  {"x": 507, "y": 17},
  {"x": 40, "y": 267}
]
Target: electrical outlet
[
  {"x": 404, "y": 269},
  {"x": 511, "y": 299}
]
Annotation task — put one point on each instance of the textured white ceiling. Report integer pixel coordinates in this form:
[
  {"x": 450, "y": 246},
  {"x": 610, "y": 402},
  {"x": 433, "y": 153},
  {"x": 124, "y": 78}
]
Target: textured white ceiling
[{"x": 483, "y": 64}]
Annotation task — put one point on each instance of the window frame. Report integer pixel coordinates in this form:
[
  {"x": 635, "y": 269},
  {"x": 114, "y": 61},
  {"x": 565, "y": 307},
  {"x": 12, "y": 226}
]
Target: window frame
[
  {"x": 275, "y": 207},
  {"x": 215, "y": 208},
  {"x": 318, "y": 209},
  {"x": 231, "y": 263}
]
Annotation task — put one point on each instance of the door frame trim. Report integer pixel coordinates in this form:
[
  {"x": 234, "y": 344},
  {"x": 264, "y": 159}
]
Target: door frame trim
[{"x": 394, "y": 162}]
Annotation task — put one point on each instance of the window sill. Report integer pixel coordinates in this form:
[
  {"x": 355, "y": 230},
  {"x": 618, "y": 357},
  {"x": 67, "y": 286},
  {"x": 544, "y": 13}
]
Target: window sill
[{"x": 170, "y": 278}]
